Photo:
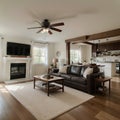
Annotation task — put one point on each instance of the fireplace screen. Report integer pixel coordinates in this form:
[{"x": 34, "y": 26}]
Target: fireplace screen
[{"x": 17, "y": 70}]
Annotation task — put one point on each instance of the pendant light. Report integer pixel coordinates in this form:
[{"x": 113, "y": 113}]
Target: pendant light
[
  {"x": 106, "y": 49},
  {"x": 98, "y": 49}
]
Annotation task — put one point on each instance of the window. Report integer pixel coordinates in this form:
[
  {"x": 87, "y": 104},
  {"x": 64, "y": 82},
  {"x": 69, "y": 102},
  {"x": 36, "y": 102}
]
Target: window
[
  {"x": 40, "y": 55},
  {"x": 75, "y": 56}
]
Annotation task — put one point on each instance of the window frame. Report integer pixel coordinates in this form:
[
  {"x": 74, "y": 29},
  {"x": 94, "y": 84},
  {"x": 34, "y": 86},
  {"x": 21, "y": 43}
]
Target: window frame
[
  {"x": 75, "y": 55},
  {"x": 45, "y": 49}
]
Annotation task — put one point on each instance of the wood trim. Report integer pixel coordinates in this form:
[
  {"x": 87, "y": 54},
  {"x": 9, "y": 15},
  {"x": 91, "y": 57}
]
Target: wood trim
[
  {"x": 116, "y": 41},
  {"x": 107, "y": 34},
  {"x": 85, "y": 38},
  {"x": 77, "y": 39},
  {"x": 68, "y": 53},
  {"x": 88, "y": 43},
  {"x": 84, "y": 42}
]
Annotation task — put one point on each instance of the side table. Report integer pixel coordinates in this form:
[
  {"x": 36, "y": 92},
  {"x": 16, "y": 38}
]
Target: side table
[{"x": 102, "y": 80}]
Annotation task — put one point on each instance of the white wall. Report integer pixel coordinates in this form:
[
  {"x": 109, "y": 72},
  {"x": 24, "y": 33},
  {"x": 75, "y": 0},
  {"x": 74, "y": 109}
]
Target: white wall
[
  {"x": 1, "y": 65},
  {"x": 86, "y": 50},
  {"x": 86, "y": 53},
  {"x": 12, "y": 39},
  {"x": 4, "y": 75},
  {"x": 61, "y": 47},
  {"x": 51, "y": 52},
  {"x": 35, "y": 68},
  {"x": 39, "y": 69}
]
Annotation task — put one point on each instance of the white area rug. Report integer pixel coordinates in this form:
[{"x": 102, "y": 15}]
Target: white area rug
[{"x": 44, "y": 107}]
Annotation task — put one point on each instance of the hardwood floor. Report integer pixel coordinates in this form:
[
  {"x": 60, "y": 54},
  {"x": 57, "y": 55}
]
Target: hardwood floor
[
  {"x": 101, "y": 107},
  {"x": 11, "y": 109}
]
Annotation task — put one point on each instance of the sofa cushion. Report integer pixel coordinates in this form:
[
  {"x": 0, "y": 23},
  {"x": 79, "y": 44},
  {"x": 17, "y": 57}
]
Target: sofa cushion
[
  {"x": 87, "y": 71},
  {"x": 75, "y": 70},
  {"x": 56, "y": 74},
  {"x": 68, "y": 69},
  {"x": 80, "y": 80},
  {"x": 65, "y": 76}
]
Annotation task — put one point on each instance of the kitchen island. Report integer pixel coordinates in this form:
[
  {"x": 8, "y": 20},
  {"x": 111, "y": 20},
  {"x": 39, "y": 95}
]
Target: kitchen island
[{"x": 109, "y": 68}]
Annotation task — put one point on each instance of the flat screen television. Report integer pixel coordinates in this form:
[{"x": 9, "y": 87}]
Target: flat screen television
[{"x": 18, "y": 49}]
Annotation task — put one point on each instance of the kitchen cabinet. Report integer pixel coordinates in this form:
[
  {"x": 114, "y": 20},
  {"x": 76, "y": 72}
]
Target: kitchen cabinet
[{"x": 109, "y": 68}]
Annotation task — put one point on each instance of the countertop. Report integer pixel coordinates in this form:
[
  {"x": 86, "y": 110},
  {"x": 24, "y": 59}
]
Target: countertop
[{"x": 107, "y": 62}]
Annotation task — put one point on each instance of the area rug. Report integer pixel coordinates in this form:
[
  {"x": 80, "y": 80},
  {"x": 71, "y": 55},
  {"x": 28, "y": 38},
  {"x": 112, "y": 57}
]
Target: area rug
[{"x": 44, "y": 107}]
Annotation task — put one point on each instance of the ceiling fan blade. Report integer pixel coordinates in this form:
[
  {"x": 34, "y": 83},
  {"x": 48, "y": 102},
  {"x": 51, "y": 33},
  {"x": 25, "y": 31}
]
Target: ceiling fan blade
[
  {"x": 58, "y": 30},
  {"x": 57, "y": 24},
  {"x": 34, "y": 27},
  {"x": 38, "y": 22},
  {"x": 50, "y": 32},
  {"x": 39, "y": 31}
]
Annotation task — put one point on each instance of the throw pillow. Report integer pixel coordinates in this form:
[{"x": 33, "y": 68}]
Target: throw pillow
[
  {"x": 63, "y": 69},
  {"x": 83, "y": 69},
  {"x": 87, "y": 71}
]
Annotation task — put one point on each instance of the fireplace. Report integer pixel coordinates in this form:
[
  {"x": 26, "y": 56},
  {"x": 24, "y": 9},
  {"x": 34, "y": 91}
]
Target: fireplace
[{"x": 17, "y": 70}]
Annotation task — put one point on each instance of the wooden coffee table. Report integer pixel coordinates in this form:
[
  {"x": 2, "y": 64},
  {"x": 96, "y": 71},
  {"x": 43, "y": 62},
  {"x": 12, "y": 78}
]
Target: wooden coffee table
[{"x": 47, "y": 82}]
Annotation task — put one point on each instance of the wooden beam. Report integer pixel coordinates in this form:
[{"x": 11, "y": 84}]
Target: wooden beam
[
  {"x": 116, "y": 41},
  {"x": 77, "y": 39},
  {"x": 89, "y": 43},
  {"x": 107, "y": 34},
  {"x": 68, "y": 53},
  {"x": 84, "y": 42},
  {"x": 85, "y": 38}
]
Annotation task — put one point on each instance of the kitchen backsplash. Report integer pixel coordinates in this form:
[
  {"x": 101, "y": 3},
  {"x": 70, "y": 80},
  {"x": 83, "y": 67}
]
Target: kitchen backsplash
[
  {"x": 110, "y": 56},
  {"x": 107, "y": 59}
]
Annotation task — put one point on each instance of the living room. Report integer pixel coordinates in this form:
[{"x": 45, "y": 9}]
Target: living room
[{"x": 81, "y": 25}]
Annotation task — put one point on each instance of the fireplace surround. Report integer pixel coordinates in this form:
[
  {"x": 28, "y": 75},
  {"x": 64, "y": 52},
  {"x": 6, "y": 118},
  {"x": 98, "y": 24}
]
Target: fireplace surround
[
  {"x": 17, "y": 70},
  {"x": 13, "y": 61}
]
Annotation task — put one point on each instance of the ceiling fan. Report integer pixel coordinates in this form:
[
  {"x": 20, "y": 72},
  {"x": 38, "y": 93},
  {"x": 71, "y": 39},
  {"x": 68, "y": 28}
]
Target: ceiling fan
[{"x": 46, "y": 26}]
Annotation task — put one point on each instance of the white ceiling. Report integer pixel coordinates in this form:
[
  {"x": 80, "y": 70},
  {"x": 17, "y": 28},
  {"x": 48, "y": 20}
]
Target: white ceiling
[{"x": 81, "y": 17}]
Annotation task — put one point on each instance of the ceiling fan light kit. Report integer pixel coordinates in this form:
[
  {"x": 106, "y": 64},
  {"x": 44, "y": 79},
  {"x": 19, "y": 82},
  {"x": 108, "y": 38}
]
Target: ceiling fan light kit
[{"x": 46, "y": 26}]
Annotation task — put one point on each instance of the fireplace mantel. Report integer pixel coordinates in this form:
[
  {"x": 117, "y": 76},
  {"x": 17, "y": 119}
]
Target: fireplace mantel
[
  {"x": 17, "y": 58},
  {"x": 7, "y": 62}
]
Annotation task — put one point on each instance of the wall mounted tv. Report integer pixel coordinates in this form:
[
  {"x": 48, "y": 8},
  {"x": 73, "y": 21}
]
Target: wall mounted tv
[{"x": 18, "y": 49}]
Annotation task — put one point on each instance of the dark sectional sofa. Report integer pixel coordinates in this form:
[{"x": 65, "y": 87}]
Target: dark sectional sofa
[{"x": 74, "y": 77}]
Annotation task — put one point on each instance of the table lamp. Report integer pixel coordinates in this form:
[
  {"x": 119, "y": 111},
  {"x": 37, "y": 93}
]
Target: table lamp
[{"x": 55, "y": 60}]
